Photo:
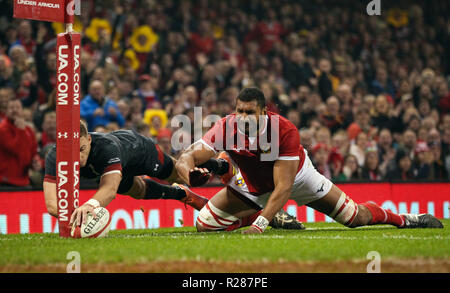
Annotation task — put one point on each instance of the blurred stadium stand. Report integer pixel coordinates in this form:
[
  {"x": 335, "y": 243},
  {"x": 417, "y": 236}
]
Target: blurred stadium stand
[{"x": 369, "y": 94}]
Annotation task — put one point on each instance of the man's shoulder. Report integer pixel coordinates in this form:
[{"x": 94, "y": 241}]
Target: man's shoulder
[
  {"x": 110, "y": 102},
  {"x": 285, "y": 125},
  {"x": 87, "y": 100}
]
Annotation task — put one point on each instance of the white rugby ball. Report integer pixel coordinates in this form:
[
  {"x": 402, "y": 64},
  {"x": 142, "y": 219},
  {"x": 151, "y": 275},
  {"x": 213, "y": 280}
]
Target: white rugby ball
[{"x": 93, "y": 227}]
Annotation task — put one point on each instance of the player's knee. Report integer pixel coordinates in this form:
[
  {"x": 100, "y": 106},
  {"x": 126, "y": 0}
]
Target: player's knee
[
  {"x": 346, "y": 212},
  {"x": 211, "y": 218},
  {"x": 201, "y": 228},
  {"x": 362, "y": 218}
]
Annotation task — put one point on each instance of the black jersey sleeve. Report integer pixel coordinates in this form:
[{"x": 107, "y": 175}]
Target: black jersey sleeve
[
  {"x": 50, "y": 166},
  {"x": 110, "y": 158}
]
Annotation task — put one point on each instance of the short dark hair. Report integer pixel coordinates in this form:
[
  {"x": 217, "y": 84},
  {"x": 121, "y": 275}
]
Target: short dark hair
[
  {"x": 83, "y": 129},
  {"x": 252, "y": 94}
]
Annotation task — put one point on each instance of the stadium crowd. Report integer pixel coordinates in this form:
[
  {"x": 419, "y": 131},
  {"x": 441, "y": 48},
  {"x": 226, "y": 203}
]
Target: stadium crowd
[{"x": 369, "y": 94}]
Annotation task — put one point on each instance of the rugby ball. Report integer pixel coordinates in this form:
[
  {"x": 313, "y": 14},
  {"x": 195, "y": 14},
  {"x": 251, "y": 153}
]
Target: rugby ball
[{"x": 93, "y": 227}]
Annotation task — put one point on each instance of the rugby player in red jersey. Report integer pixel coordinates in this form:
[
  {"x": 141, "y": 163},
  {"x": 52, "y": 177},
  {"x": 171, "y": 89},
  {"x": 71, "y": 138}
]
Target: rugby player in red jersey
[{"x": 265, "y": 176}]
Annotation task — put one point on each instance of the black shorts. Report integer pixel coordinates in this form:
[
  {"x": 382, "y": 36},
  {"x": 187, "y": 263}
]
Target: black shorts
[{"x": 157, "y": 164}]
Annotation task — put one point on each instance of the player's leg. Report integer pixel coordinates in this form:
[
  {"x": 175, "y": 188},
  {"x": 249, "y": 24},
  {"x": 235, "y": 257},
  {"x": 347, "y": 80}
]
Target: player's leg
[
  {"x": 282, "y": 219},
  {"x": 143, "y": 188},
  {"x": 229, "y": 210},
  {"x": 316, "y": 191},
  {"x": 339, "y": 206},
  {"x": 225, "y": 211}
]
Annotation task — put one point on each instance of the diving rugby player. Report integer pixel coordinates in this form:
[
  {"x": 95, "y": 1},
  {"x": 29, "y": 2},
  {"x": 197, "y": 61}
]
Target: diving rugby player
[{"x": 118, "y": 160}]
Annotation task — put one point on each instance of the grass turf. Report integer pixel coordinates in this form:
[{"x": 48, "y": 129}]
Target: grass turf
[{"x": 319, "y": 242}]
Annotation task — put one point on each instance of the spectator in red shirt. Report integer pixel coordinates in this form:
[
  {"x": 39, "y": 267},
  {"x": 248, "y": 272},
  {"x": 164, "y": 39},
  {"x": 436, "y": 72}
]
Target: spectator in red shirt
[
  {"x": 201, "y": 41},
  {"x": 146, "y": 91},
  {"x": 18, "y": 146},
  {"x": 25, "y": 36},
  {"x": 267, "y": 32},
  {"x": 48, "y": 129},
  {"x": 332, "y": 117}
]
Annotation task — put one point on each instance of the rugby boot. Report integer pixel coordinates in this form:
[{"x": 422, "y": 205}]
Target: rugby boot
[
  {"x": 283, "y": 220},
  {"x": 421, "y": 221},
  {"x": 192, "y": 199}
]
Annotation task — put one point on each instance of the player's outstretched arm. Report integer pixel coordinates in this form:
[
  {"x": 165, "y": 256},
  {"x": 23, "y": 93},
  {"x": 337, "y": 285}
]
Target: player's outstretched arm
[
  {"x": 195, "y": 155},
  {"x": 50, "y": 198},
  {"x": 284, "y": 173},
  {"x": 106, "y": 192}
]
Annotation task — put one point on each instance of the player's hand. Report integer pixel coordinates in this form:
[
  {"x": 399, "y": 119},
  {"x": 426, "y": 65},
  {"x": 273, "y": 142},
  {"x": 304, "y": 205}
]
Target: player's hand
[
  {"x": 251, "y": 230},
  {"x": 198, "y": 176},
  {"x": 79, "y": 215}
]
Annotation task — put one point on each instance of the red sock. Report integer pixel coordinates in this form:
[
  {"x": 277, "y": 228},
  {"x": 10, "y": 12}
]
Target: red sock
[
  {"x": 383, "y": 216},
  {"x": 244, "y": 222}
]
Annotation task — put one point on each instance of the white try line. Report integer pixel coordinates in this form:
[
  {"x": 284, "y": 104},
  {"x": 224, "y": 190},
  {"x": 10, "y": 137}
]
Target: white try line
[{"x": 298, "y": 236}]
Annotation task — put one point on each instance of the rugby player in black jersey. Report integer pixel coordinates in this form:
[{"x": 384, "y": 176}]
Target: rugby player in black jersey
[{"x": 120, "y": 158}]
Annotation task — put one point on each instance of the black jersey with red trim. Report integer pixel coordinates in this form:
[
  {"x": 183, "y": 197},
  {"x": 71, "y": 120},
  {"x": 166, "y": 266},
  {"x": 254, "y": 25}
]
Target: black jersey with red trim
[
  {"x": 123, "y": 151},
  {"x": 251, "y": 155}
]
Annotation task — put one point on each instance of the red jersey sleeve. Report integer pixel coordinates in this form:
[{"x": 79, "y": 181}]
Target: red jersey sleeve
[
  {"x": 214, "y": 138},
  {"x": 289, "y": 145}
]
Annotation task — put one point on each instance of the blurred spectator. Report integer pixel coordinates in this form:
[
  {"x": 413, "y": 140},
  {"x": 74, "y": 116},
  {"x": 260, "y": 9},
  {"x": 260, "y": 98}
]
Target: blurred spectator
[
  {"x": 267, "y": 32},
  {"x": 350, "y": 171},
  {"x": 381, "y": 113},
  {"x": 164, "y": 141},
  {"x": 146, "y": 91},
  {"x": 294, "y": 116},
  {"x": 328, "y": 68},
  {"x": 386, "y": 150},
  {"x": 325, "y": 79},
  {"x": 99, "y": 110},
  {"x": 361, "y": 123},
  {"x": 100, "y": 128},
  {"x": 18, "y": 147},
  {"x": 6, "y": 94},
  {"x": 6, "y": 71},
  {"x": 402, "y": 170},
  {"x": 201, "y": 41},
  {"x": 48, "y": 130},
  {"x": 382, "y": 83},
  {"x": 422, "y": 162},
  {"x": 156, "y": 119},
  {"x": 409, "y": 142},
  {"x": 341, "y": 143},
  {"x": 297, "y": 70},
  {"x": 358, "y": 148},
  {"x": 332, "y": 117},
  {"x": 320, "y": 156},
  {"x": 371, "y": 169},
  {"x": 43, "y": 109},
  {"x": 307, "y": 139}
]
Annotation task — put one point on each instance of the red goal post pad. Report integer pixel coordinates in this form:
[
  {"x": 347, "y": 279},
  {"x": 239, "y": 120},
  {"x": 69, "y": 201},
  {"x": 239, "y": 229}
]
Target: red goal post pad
[
  {"x": 68, "y": 52},
  {"x": 46, "y": 10}
]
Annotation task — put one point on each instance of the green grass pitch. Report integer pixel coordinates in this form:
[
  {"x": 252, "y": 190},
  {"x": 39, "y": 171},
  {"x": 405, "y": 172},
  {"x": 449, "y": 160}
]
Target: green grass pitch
[{"x": 320, "y": 242}]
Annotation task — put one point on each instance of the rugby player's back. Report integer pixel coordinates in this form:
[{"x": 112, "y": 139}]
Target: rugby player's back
[{"x": 123, "y": 151}]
